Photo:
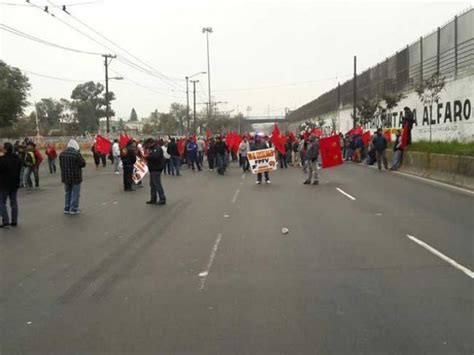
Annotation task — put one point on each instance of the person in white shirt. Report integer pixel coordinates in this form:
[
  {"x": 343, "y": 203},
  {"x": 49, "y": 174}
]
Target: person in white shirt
[
  {"x": 116, "y": 155},
  {"x": 201, "y": 148},
  {"x": 244, "y": 148}
]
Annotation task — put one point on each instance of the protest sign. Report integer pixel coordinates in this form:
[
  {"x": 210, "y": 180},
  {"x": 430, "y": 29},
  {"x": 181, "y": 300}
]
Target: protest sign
[
  {"x": 262, "y": 160},
  {"x": 140, "y": 169}
]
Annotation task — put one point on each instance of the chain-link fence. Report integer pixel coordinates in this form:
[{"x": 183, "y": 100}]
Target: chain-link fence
[{"x": 449, "y": 50}]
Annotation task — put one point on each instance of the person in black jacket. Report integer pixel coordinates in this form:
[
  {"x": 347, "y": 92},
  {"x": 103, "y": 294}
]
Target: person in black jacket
[
  {"x": 211, "y": 154},
  {"x": 221, "y": 150},
  {"x": 175, "y": 158},
  {"x": 10, "y": 169},
  {"x": 128, "y": 161},
  {"x": 71, "y": 163},
  {"x": 379, "y": 142},
  {"x": 156, "y": 164}
]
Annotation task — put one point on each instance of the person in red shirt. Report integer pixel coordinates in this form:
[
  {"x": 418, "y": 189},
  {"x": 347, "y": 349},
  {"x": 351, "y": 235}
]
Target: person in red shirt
[
  {"x": 39, "y": 160},
  {"x": 52, "y": 155}
]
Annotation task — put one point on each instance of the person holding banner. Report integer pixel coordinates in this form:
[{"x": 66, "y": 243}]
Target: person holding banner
[
  {"x": 260, "y": 144},
  {"x": 156, "y": 164},
  {"x": 128, "y": 161},
  {"x": 312, "y": 154}
]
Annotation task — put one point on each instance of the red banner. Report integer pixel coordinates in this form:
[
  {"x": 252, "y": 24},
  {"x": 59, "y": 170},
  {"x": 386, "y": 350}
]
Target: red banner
[
  {"x": 366, "y": 138},
  {"x": 404, "y": 137},
  {"x": 102, "y": 145},
  {"x": 181, "y": 146},
  {"x": 388, "y": 136},
  {"x": 123, "y": 140},
  {"x": 331, "y": 154},
  {"x": 278, "y": 140}
]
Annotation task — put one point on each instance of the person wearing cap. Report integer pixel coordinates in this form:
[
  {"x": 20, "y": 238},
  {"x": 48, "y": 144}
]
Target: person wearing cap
[
  {"x": 10, "y": 176},
  {"x": 156, "y": 164},
  {"x": 312, "y": 154},
  {"x": 129, "y": 159},
  {"x": 260, "y": 144},
  {"x": 71, "y": 163}
]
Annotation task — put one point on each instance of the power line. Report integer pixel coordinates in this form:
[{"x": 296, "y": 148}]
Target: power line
[
  {"x": 161, "y": 75},
  {"x": 121, "y": 59},
  {"x": 277, "y": 86},
  {"x": 42, "y": 41},
  {"x": 52, "y": 77}
]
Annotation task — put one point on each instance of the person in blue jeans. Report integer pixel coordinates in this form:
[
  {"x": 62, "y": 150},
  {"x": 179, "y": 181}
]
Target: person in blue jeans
[
  {"x": 10, "y": 169},
  {"x": 71, "y": 163}
]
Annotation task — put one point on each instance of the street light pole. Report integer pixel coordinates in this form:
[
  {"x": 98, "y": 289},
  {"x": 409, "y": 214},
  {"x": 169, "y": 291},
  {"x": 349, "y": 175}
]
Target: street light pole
[
  {"x": 106, "y": 63},
  {"x": 187, "y": 105},
  {"x": 208, "y": 30},
  {"x": 187, "y": 97},
  {"x": 194, "y": 103}
]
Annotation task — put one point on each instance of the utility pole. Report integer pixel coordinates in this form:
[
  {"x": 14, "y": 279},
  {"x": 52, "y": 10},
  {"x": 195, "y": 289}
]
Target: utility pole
[
  {"x": 187, "y": 105},
  {"x": 355, "y": 93},
  {"x": 107, "y": 112},
  {"x": 208, "y": 30},
  {"x": 194, "y": 99}
]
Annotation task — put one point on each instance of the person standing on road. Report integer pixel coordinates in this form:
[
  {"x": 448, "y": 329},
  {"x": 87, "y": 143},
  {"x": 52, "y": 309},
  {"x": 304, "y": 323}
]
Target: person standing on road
[
  {"x": 221, "y": 152},
  {"x": 211, "y": 154},
  {"x": 71, "y": 163},
  {"x": 380, "y": 144},
  {"x": 201, "y": 145},
  {"x": 312, "y": 154},
  {"x": 397, "y": 152},
  {"x": 116, "y": 155},
  {"x": 129, "y": 158},
  {"x": 244, "y": 148},
  {"x": 29, "y": 162},
  {"x": 52, "y": 155},
  {"x": 174, "y": 153},
  {"x": 192, "y": 154},
  {"x": 38, "y": 161},
  {"x": 10, "y": 176},
  {"x": 258, "y": 145},
  {"x": 156, "y": 164}
]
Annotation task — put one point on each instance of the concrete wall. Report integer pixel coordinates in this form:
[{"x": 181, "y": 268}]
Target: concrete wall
[
  {"x": 451, "y": 169},
  {"x": 452, "y": 118}
]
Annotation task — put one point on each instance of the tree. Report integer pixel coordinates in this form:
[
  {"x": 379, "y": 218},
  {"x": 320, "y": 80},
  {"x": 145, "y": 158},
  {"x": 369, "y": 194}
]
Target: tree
[
  {"x": 366, "y": 109},
  {"x": 49, "y": 113},
  {"x": 429, "y": 90},
  {"x": 90, "y": 102},
  {"x": 14, "y": 87},
  {"x": 168, "y": 124},
  {"x": 133, "y": 116},
  {"x": 178, "y": 111}
]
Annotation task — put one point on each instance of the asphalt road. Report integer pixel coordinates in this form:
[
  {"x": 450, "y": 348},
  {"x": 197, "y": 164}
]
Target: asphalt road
[{"x": 212, "y": 273}]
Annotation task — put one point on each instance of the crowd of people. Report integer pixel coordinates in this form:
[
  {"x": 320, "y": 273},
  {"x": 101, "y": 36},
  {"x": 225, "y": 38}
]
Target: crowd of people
[{"x": 21, "y": 161}]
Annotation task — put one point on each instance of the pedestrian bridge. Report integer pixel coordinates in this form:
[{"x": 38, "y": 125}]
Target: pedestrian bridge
[{"x": 265, "y": 119}]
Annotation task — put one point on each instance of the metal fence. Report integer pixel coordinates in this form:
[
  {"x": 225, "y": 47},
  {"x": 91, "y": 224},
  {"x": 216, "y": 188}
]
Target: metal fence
[{"x": 449, "y": 50}]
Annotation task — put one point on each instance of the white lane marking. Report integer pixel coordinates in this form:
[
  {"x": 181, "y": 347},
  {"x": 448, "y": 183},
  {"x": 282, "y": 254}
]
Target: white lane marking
[
  {"x": 243, "y": 176},
  {"x": 345, "y": 194},
  {"x": 440, "y": 255},
  {"x": 235, "y": 196},
  {"x": 226, "y": 216},
  {"x": 203, "y": 275}
]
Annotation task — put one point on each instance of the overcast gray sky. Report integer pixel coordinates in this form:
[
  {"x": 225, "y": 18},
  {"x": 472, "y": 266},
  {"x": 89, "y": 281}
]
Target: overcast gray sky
[{"x": 264, "y": 54}]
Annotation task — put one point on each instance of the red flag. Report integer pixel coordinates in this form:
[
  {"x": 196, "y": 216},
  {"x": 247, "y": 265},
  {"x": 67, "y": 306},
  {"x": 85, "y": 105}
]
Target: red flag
[
  {"x": 102, "y": 145},
  {"x": 208, "y": 134},
  {"x": 181, "y": 146},
  {"x": 277, "y": 140},
  {"x": 123, "y": 140},
  {"x": 306, "y": 135},
  {"x": 317, "y": 132},
  {"x": 358, "y": 130},
  {"x": 366, "y": 138},
  {"x": 388, "y": 136},
  {"x": 331, "y": 154},
  {"x": 404, "y": 137}
]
